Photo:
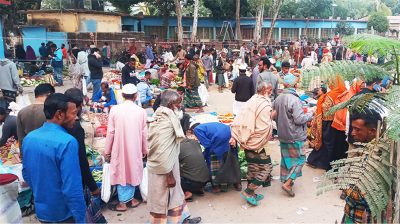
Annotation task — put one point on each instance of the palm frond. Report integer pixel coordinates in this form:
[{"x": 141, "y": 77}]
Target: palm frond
[
  {"x": 348, "y": 70},
  {"x": 370, "y": 44},
  {"x": 361, "y": 103}
]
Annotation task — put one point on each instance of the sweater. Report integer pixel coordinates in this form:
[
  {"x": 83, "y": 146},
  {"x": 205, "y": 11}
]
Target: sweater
[
  {"x": 95, "y": 67},
  {"x": 243, "y": 87},
  {"x": 9, "y": 76},
  {"x": 128, "y": 75},
  {"x": 207, "y": 62}
]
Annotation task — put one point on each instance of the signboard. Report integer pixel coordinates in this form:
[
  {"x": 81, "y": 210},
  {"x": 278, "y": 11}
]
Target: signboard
[{"x": 5, "y": 2}]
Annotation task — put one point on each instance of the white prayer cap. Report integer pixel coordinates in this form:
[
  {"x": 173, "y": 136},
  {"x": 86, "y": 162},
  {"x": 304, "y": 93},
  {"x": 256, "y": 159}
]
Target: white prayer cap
[
  {"x": 192, "y": 122},
  {"x": 129, "y": 89},
  {"x": 243, "y": 67}
]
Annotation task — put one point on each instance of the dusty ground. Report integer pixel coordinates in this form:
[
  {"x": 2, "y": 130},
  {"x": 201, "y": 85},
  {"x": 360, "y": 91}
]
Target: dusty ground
[{"x": 277, "y": 206}]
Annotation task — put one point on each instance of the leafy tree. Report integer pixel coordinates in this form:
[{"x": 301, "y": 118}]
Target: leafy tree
[
  {"x": 226, "y": 9},
  {"x": 288, "y": 8},
  {"x": 379, "y": 6},
  {"x": 124, "y": 6},
  {"x": 11, "y": 17},
  {"x": 203, "y": 11},
  {"x": 165, "y": 9},
  {"x": 318, "y": 9},
  {"x": 379, "y": 22},
  {"x": 344, "y": 28}
]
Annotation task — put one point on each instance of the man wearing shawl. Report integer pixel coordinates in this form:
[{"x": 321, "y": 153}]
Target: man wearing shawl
[
  {"x": 192, "y": 98},
  {"x": 77, "y": 73},
  {"x": 214, "y": 137},
  {"x": 252, "y": 128},
  {"x": 327, "y": 139},
  {"x": 292, "y": 131},
  {"x": 166, "y": 200}
]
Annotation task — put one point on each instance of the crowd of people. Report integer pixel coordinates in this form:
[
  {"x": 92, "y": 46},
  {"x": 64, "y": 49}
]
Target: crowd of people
[{"x": 170, "y": 142}]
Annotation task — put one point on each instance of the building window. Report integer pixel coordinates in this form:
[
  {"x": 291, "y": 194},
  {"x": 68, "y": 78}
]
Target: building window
[
  {"x": 247, "y": 33},
  {"x": 289, "y": 33},
  {"x": 275, "y": 33},
  {"x": 205, "y": 33},
  {"x": 312, "y": 33},
  {"x": 327, "y": 33},
  {"x": 154, "y": 32},
  {"x": 173, "y": 36}
]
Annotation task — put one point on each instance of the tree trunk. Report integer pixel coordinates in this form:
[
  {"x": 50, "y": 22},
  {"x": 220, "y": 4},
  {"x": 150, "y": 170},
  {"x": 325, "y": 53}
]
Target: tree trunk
[
  {"x": 37, "y": 5},
  {"x": 195, "y": 18},
  {"x": 179, "y": 18},
  {"x": 273, "y": 21},
  {"x": 258, "y": 24},
  {"x": 238, "y": 31},
  {"x": 308, "y": 20},
  {"x": 166, "y": 26}
]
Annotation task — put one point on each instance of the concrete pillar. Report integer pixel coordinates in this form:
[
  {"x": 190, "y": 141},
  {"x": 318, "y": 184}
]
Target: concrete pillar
[
  {"x": 280, "y": 31},
  {"x": 299, "y": 33},
  {"x": 355, "y": 30},
  {"x": 168, "y": 33},
  {"x": 135, "y": 25},
  {"x": 215, "y": 32},
  {"x": 319, "y": 33}
]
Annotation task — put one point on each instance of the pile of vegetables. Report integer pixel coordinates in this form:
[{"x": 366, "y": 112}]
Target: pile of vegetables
[
  {"x": 172, "y": 66},
  {"x": 155, "y": 82},
  {"x": 31, "y": 82},
  {"x": 178, "y": 78},
  {"x": 89, "y": 152},
  {"x": 242, "y": 163},
  {"x": 97, "y": 175}
]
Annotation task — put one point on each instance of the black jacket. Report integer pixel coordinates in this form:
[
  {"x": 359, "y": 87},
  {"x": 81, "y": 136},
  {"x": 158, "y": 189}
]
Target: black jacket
[
  {"x": 126, "y": 76},
  {"x": 9, "y": 129},
  {"x": 95, "y": 67},
  {"x": 243, "y": 87},
  {"x": 87, "y": 178}
]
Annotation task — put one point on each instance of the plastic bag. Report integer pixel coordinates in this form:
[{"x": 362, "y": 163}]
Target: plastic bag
[
  {"x": 106, "y": 183},
  {"x": 23, "y": 100},
  {"x": 102, "y": 131},
  {"x": 203, "y": 93},
  {"x": 229, "y": 169},
  {"x": 144, "y": 186}
]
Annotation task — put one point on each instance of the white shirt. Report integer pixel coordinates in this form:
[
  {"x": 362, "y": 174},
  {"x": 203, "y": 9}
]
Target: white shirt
[
  {"x": 307, "y": 62},
  {"x": 314, "y": 56}
]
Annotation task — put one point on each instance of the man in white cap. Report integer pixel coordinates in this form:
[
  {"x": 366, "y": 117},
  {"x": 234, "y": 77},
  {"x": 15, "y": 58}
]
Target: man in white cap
[
  {"x": 243, "y": 88},
  {"x": 126, "y": 143}
]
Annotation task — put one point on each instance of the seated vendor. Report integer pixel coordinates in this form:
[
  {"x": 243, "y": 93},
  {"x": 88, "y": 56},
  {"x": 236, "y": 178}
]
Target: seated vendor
[
  {"x": 105, "y": 98},
  {"x": 167, "y": 78},
  {"x": 232, "y": 74},
  {"x": 194, "y": 171},
  {"x": 9, "y": 123},
  {"x": 144, "y": 92},
  {"x": 156, "y": 65},
  {"x": 162, "y": 69}
]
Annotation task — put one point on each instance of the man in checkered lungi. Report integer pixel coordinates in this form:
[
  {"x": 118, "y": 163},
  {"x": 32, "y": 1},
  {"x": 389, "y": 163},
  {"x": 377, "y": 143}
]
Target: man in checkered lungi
[
  {"x": 292, "y": 132},
  {"x": 166, "y": 200}
]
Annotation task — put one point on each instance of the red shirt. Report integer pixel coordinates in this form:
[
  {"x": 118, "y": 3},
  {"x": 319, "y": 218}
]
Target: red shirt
[
  {"x": 132, "y": 49},
  {"x": 64, "y": 51}
]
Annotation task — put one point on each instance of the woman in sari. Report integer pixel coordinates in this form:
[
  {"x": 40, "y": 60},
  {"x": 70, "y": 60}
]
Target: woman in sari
[{"x": 327, "y": 138}]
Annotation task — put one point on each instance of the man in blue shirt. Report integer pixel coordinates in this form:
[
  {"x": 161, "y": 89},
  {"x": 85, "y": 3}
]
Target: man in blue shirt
[
  {"x": 51, "y": 164},
  {"x": 149, "y": 56},
  {"x": 105, "y": 98},
  {"x": 57, "y": 64},
  {"x": 144, "y": 93}
]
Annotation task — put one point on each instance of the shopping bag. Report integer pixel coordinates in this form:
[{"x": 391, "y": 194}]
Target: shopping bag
[
  {"x": 106, "y": 183},
  {"x": 144, "y": 186},
  {"x": 203, "y": 93},
  {"x": 229, "y": 169},
  {"x": 23, "y": 100},
  {"x": 93, "y": 211}
]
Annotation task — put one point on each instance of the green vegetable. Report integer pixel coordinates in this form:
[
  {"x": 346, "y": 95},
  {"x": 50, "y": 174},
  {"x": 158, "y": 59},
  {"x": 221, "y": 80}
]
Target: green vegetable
[
  {"x": 90, "y": 150},
  {"x": 97, "y": 175},
  {"x": 172, "y": 66},
  {"x": 156, "y": 82},
  {"x": 242, "y": 162}
]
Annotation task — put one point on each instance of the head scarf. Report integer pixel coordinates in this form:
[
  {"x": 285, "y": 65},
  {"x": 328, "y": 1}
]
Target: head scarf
[
  {"x": 290, "y": 80},
  {"x": 30, "y": 54},
  {"x": 337, "y": 87},
  {"x": 339, "y": 122}
]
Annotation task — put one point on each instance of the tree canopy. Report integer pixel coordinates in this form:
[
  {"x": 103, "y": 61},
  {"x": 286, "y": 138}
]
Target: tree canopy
[
  {"x": 226, "y": 9},
  {"x": 124, "y": 6},
  {"x": 344, "y": 28},
  {"x": 379, "y": 22}
]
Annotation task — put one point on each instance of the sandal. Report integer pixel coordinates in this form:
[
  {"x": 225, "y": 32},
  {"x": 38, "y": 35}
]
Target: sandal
[
  {"x": 129, "y": 205},
  {"x": 343, "y": 195},
  {"x": 189, "y": 199},
  {"x": 250, "y": 200},
  {"x": 209, "y": 189},
  {"x": 292, "y": 183},
  {"x": 290, "y": 192},
  {"x": 259, "y": 197},
  {"x": 113, "y": 207},
  {"x": 194, "y": 220},
  {"x": 199, "y": 193}
]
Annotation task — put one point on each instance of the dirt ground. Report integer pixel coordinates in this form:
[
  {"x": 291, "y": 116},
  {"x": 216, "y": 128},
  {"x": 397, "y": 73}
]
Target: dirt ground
[{"x": 276, "y": 207}]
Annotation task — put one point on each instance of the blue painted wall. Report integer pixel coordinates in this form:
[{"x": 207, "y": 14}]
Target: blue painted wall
[
  {"x": 280, "y": 23},
  {"x": 1, "y": 42},
  {"x": 91, "y": 25},
  {"x": 34, "y": 36}
]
